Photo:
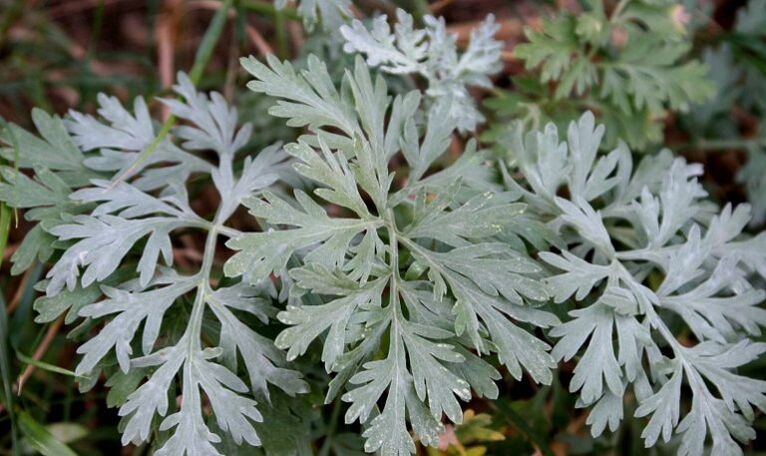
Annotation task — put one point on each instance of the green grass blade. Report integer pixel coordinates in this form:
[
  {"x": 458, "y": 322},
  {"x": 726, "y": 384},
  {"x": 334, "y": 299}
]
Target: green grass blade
[
  {"x": 5, "y": 227},
  {"x": 5, "y": 211},
  {"x": 201, "y": 59},
  {"x": 44, "y": 366},
  {"x": 40, "y": 439},
  {"x": 207, "y": 45},
  {"x": 5, "y": 376},
  {"x": 268, "y": 9}
]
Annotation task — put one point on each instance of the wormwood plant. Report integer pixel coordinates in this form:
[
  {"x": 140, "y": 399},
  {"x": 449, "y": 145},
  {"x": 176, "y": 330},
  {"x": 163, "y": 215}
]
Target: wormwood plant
[
  {"x": 414, "y": 278},
  {"x": 432, "y": 53},
  {"x": 404, "y": 271},
  {"x": 648, "y": 257},
  {"x": 627, "y": 61},
  {"x": 413, "y": 282},
  {"x": 113, "y": 237},
  {"x": 737, "y": 72}
]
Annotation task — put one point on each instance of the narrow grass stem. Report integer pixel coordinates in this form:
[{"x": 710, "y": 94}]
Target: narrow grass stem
[
  {"x": 720, "y": 145},
  {"x": 268, "y": 9},
  {"x": 201, "y": 59}
]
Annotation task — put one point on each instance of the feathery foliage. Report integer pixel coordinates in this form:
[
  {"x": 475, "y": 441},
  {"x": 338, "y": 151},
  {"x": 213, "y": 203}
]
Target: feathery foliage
[
  {"x": 432, "y": 53},
  {"x": 641, "y": 248},
  {"x": 385, "y": 264},
  {"x": 154, "y": 314},
  {"x": 401, "y": 271},
  {"x": 738, "y": 75},
  {"x": 629, "y": 64}
]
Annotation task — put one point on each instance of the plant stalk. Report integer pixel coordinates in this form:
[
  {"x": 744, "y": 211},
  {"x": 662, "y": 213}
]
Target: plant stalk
[{"x": 201, "y": 59}]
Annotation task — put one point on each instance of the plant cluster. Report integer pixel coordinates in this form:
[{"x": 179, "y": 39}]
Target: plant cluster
[
  {"x": 736, "y": 68},
  {"x": 391, "y": 281},
  {"x": 628, "y": 62}
]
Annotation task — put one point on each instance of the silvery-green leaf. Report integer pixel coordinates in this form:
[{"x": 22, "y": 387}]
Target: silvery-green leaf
[
  {"x": 233, "y": 412},
  {"x": 120, "y": 141},
  {"x": 588, "y": 223},
  {"x": 117, "y": 230},
  {"x": 432, "y": 53},
  {"x": 263, "y": 253},
  {"x": 131, "y": 309},
  {"x": 659, "y": 250},
  {"x": 36, "y": 245},
  {"x": 400, "y": 51},
  {"x": 480, "y": 218},
  {"x": 463, "y": 272},
  {"x": 664, "y": 408},
  {"x": 55, "y": 151},
  {"x": 388, "y": 432},
  {"x": 607, "y": 412},
  {"x": 44, "y": 198},
  {"x": 308, "y": 322},
  {"x": 306, "y": 99},
  {"x": 150, "y": 399},
  {"x": 214, "y": 121},
  {"x": 102, "y": 244},
  {"x": 598, "y": 365}
]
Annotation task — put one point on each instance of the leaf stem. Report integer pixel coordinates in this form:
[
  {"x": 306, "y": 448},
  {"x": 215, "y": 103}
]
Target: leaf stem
[
  {"x": 654, "y": 318},
  {"x": 229, "y": 232},
  {"x": 393, "y": 240},
  {"x": 209, "y": 41}
]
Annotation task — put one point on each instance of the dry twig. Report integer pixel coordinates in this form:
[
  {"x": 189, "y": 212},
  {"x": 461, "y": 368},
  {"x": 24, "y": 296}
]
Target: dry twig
[{"x": 39, "y": 352}]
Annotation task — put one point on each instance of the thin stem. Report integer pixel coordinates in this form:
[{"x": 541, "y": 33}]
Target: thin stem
[
  {"x": 229, "y": 232},
  {"x": 5, "y": 226},
  {"x": 395, "y": 344},
  {"x": 280, "y": 28},
  {"x": 618, "y": 10},
  {"x": 420, "y": 9},
  {"x": 268, "y": 9},
  {"x": 326, "y": 445},
  {"x": 5, "y": 379},
  {"x": 22, "y": 287},
  {"x": 393, "y": 244},
  {"x": 201, "y": 59},
  {"x": 209, "y": 41},
  {"x": 98, "y": 22},
  {"x": 39, "y": 353},
  {"x": 194, "y": 329},
  {"x": 393, "y": 240},
  {"x": 635, "y": 255},
  {"x": 647, "y": 253},
  {"x": 724, "y": 144},
  {"x": 654, "y": 318}
]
